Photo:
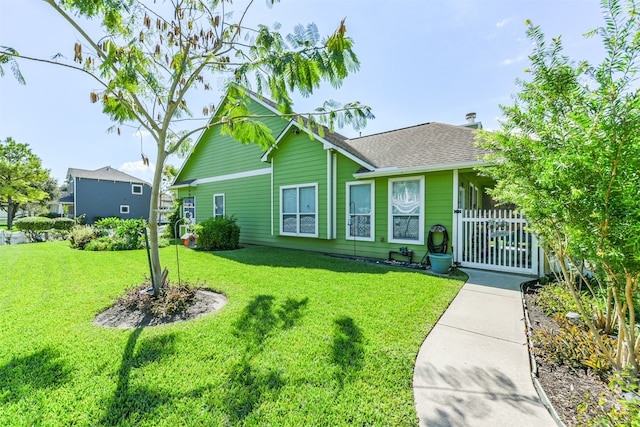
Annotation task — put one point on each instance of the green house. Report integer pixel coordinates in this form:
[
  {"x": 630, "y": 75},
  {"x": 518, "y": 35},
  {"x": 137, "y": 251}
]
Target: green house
[{"x": 363, "y": 197}]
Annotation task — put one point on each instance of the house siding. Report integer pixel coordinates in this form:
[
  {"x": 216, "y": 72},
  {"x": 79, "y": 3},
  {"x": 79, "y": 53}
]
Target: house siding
[
  {"x": 300, "y": 160},
  {"x": 224, "y": 166},
  {"x": 100, "y": 199},
  {"x": 246, "y": 199},
  {"x": 217, "y": 154}
]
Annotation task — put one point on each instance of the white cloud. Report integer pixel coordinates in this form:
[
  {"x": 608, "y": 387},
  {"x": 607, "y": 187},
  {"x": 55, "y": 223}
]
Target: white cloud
[
  {"x": 139, "y": 170},
  {"x": 510, "y": 61},
  {"x": 141, "y": 133},
  {"x": 502, "y": 23},
  {"x": 138, "y": 166}
]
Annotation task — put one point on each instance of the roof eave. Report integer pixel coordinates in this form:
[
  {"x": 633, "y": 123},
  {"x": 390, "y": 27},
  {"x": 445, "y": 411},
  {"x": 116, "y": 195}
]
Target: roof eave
[{"x": 393, "y": 171}]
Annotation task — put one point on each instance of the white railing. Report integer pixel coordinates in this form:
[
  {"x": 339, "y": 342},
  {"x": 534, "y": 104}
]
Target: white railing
[{"x": 496, "y": 240}]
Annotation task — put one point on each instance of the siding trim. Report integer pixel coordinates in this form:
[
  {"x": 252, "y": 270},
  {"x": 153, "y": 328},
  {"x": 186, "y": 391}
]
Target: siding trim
[
  {"x": 272, "y": 200},
  {"x": 329, "y": 197},
  {"x": 232, "y": 176},
  {"x": 335, "y": 195}
]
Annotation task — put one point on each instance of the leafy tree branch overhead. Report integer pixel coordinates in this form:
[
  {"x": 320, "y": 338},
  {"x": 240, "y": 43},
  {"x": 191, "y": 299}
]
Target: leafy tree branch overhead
[{"x": 148, "y": 57}]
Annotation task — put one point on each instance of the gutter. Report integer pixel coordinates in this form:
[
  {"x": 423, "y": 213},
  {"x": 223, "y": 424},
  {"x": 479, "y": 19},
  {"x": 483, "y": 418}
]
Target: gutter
[{"x": 393, "y": 171}]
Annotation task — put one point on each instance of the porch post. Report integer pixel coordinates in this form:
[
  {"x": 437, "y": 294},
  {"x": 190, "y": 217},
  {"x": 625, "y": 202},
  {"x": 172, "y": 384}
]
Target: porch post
[{"x": 454, "y": 222}]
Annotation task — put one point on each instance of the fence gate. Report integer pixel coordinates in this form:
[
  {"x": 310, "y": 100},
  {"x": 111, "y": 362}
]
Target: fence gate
[{"x": 496, "y": 240}]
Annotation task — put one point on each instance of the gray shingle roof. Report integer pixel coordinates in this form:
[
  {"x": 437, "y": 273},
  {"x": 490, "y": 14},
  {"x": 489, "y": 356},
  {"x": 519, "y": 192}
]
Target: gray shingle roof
[
  {"x": 106, "y": 173},
  {"x": 429, "y": 144}
]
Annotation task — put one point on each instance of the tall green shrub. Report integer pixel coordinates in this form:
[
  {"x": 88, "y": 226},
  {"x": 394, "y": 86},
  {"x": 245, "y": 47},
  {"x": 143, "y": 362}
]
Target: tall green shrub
[
  {"x": 64, "y": 224},
  {"x": 34, "y": 227},
  {"x": 568, "y": 155},
  {"x": 219, "y": 233}
]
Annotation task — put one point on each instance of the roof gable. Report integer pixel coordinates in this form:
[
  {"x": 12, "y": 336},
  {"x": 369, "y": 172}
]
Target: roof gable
[
  {"x": 106, "y": 173},
  {"x": 201, "y": 150},
  {"x": 329, "y": 140}
]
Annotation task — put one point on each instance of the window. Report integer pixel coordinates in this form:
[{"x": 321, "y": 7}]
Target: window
[
  {"x": 218, "y": 205},
  {"x": 124, "y": 209},
  {"x": 189, "y": 209},
  {"x": 360, "y": 211},
  {"x": 406, "y": 210},
  {"x": 136, "y": 189},
  {"x": 298, "y": 210},
  {"x": 473, "y": 197}
]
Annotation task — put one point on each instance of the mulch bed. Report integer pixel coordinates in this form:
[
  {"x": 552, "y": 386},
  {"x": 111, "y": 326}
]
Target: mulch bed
[
  {"x": 119, "y": 316},
  {"x": 566, "y": 387}
]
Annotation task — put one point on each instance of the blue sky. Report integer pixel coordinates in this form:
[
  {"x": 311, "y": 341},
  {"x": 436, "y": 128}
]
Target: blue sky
[{"x": 421, "y": 61}]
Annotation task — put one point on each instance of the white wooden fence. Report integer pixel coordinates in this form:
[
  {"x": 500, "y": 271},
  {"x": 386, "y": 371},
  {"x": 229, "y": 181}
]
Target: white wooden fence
[
  {"x": 496, "y": 240},
  {"x": 13, "y": 238}
]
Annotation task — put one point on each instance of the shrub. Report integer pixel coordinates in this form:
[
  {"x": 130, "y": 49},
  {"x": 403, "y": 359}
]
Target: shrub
[
  {"x": 573, "y": 345},
  {"x": 98, "y": 244},
  {"x": 218, "y": 233},
  {"x": 80, "y": 235},
  {"x": 109, "y": 223},
  {"x": 174, "y": 217},
  {"x": 172, "y": 300},
  {"x": 126, "y": 233},
  {"x": 65, "y": 224},
  {"x": 554, "y": 298},
  {"x": 34, "y": 227}
]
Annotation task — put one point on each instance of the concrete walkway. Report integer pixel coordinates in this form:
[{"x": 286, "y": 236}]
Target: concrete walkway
[{"x": 473, "y": 368}]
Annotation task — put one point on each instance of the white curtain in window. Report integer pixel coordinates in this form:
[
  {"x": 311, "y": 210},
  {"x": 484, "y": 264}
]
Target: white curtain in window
[{"x": 406, "y": 198}]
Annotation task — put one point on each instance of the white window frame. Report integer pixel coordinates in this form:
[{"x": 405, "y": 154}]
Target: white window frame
[
  {"x": 224, "y": 205},
  {"x": 390, "y": 238},
  {"x": 134, "y": 186},
  {"x": 298, "y": 187},
  {"x": 124, "y": 209},
  {"x": 372, "y": 188}
]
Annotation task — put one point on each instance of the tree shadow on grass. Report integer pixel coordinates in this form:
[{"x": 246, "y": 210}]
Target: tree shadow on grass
[
  {"x": 249, "y": 386},
  {"x": 347, "y": 349},
  {"x": 22, "y": 376},
  {"x": 130, "y": 402}
]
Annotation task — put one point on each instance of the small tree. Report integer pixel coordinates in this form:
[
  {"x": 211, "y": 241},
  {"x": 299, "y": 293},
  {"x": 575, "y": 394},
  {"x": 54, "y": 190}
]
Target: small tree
[
  {"x": 149, "y": 58},
  {"x": 568, "y": 155},
  {"x": 22, "y": 179}
]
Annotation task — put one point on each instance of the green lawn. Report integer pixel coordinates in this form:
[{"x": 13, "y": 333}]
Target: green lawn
[{"x": 305, "y": 340}]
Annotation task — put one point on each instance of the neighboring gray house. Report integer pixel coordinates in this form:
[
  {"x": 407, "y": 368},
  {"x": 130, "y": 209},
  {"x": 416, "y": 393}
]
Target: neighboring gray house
[{"x": 105, "y": 192}]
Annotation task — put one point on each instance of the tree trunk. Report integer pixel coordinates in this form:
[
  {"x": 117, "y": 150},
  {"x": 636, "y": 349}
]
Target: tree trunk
[
  {"x": 154, "y": 204},
  {"x": 11, "y": 213}
]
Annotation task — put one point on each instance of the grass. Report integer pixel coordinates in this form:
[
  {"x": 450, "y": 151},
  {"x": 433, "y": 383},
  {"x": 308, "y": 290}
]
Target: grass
[{"x": 304, "y": 340}]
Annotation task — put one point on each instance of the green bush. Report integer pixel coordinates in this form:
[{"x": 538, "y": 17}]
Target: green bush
[
  {"x": 218, "y": 234},
  {"x": 174, "y": 217},
  {"x": 126, "y": 233},
  {"x": 111, "y": 222},
  {"x": 65, "y": 224},
  {"x": 34, "y": 227},
  {"x": 573, "y": 345},
  {"x": 554, "y": 298},
  {"x": 98, "y": 244},
  {"x": 81, "y": 235}
]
